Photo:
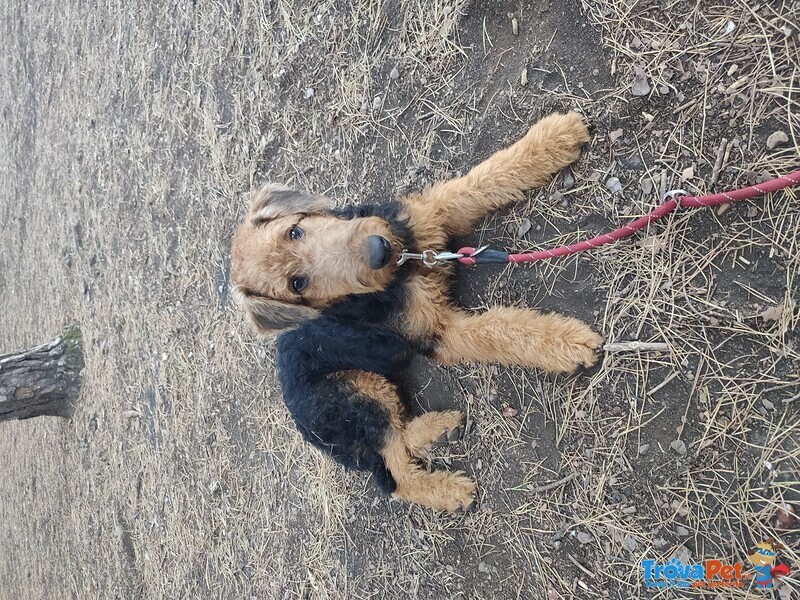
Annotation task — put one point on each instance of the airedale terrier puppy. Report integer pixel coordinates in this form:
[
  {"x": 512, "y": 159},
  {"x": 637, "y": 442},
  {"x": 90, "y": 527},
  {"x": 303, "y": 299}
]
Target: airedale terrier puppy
[{"x": 328, "y": 281}]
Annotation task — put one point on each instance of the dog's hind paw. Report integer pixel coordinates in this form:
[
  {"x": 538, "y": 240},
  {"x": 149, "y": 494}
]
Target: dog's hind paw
[
  {"x": 462, "y": 493},
  {"x": 452, "y": 422},
  {"x": 439, "y": 490}
]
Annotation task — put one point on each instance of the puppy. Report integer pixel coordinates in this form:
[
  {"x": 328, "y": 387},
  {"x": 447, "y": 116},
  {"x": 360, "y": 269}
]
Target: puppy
[{"x": 328, "y": 281}]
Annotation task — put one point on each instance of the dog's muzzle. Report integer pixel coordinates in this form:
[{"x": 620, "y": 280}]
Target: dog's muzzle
[{"x": 379, "y": 251}]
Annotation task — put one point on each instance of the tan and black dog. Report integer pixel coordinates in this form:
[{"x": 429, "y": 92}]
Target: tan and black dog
[{"x": 328, "y": 281}]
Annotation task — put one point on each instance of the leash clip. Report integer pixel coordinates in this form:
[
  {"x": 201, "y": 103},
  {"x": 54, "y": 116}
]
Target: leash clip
[
  {"x": 675, "y": 195},
  {"x": 430, "y": 258}
]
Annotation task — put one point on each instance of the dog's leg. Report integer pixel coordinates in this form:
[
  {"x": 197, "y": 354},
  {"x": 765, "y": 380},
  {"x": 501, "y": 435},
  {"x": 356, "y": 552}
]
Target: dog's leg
[
  {"x": 518, "y": 336},
  {"x": 431, "y": 428},
  {"x": 455, "y": 206},
  {"x": 440, "y": 490}
]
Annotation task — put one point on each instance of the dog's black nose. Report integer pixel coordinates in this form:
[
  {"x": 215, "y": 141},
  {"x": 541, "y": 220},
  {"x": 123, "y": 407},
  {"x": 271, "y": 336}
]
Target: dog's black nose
[{"x": 379, "y": 251}]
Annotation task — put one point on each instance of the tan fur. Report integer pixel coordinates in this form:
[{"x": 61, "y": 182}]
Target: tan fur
[
  {"x": 439, "y": 490},
  {"x": 332, "y": 254},
  {"x": 428, "y": 306},
  {"x": 382, "y": 391},
  {"x": 423, "y": 432},
  {"x": 419, "y": 433},
  {"x": 409, "y": 439},
  {"x": 453, "y": 207},
  {"x": 518, "y": 336}
]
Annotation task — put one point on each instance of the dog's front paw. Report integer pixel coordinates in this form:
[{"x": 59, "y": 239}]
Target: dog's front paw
[
  {"x": 585, "y": 346},
  {"x": 561, "y": 137},
  {"x": 571, "y": 343}
]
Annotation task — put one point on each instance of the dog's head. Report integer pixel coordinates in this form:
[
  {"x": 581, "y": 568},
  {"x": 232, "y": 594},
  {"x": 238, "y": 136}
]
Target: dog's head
[{"x": 291, "y": 258}]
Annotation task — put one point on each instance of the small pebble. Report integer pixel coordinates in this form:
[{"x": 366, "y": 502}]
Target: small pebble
[
  {"x": 376, "y": 102},
  {"x": 629, "y": 543},
  {"x": 678, "y": 447},
  {"x": 614, "y": 186},
  {"x": 634, "y": 162},
  {"x": 681, "y": 530},
  {"x": 683, "y": 554},
  {"x": 394, "y": 74},
  {"x": 644, "y": 448},
  {"x": 524, "y": 227},
  {"x": 777, "y": 139},
  {"x": 787, "y": 515},
  {"x": 569, "y": 181},
  {"x": 585, "y": 538},
  {"x": 308, "y": 93},
  {"x": 640, "y": 87},
  {"x": 509, "y": 411}
]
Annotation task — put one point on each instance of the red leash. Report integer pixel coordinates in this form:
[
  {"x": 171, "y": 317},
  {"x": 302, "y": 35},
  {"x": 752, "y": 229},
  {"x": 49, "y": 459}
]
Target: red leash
[{"x": 469, "y": 255}]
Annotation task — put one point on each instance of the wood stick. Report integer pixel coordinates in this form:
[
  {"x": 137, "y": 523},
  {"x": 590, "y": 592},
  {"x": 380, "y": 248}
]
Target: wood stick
[
  {"x": 637, "y": 346},
  {"x": 718, "y": 163},
  {"x": 551, "y": 486}
]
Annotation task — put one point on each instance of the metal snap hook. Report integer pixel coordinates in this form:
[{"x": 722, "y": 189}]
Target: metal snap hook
[{"x": 675, "y": 195}]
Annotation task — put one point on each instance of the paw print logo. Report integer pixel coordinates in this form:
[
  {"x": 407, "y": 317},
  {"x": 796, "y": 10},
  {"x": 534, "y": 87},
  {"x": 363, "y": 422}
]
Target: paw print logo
[{"x": 673, "y": 568}]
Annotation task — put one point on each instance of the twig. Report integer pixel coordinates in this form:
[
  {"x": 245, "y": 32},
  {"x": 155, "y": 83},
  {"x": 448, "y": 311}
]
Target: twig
[
  {"x": 580, "y": 566},
  {"x": 550, "y": 486},
  {"x": 667, "y": 379},
  {"x": 636, "y": 346},
  {"x": 723, "y": 144}
]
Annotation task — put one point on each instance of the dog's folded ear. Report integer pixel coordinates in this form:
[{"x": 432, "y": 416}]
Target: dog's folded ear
[
  {"x": 272, "y": 201},
  {"x": 270, "y": 317}
]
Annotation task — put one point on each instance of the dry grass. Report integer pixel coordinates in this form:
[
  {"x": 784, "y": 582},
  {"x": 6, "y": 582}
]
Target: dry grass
[{"x": 132, "y": 134}]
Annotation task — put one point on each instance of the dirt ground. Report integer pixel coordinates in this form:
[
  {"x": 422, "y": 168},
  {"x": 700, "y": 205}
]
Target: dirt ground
[{"x": 132, "y": 134}]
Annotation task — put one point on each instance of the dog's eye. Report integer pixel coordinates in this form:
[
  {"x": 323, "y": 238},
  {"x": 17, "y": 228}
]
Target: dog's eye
[
  {"x": 299, "y": 283},
  {"x": 295, "y": 233}
]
